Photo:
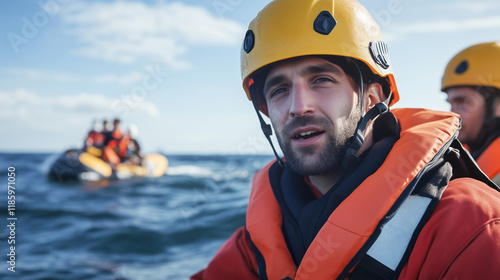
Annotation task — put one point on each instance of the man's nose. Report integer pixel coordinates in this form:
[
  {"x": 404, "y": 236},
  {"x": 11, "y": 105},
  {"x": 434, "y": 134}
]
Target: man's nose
[{"x": 302, "y": 101}]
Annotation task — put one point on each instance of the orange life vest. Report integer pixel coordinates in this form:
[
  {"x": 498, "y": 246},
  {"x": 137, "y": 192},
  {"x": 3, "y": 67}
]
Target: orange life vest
[
  {"x": 116, "y": 136},
  {"x": 119, "y": 143},
  {"x": 94, "y": 138},
  {"x": 116, "y": 149},
  {"x": 488, "y": 161},
  {"x": 110, "y": 155},
  {"x": 123, "y": 147},
  {"x": 423, "y": 134}
]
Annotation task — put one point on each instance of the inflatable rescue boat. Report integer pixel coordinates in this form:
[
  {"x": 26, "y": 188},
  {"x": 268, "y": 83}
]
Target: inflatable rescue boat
[{"x": 82, "y": 166}]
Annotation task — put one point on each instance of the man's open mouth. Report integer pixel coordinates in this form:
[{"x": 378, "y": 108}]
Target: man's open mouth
[{"x": 307, "y": 134}]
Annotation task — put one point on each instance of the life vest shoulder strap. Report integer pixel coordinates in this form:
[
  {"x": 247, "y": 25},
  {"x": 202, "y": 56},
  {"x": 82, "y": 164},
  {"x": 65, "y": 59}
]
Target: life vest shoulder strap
[
  {"x": 389, "y": 253},
  {"x": 387, "y": 256}
]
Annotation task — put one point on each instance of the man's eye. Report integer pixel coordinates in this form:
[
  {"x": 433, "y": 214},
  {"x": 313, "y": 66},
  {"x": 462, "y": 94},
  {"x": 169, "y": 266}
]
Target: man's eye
[
  {"x": 323, "y": 80},
  {"x": 276, "y": 92}
]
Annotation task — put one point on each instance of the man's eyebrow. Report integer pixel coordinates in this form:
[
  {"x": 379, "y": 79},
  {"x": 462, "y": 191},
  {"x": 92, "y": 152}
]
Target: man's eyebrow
[
  {"x": 321, "y": 68},
  {"x": 272, "y": 82},
  {"x": 455, "y": 99}
]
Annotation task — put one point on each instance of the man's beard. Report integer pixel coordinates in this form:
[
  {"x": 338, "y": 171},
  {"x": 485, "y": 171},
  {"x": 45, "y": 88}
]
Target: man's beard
[{"x": 312, "y": 160}]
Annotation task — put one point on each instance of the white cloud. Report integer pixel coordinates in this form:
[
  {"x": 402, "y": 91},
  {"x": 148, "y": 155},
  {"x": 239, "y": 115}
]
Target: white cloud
[
  {"x": 127, "y": 32},
  {"x": 127, "y": 79},
  {"x": 442, "y": 26},
  {"x": 477, "y": 7},
  {"x": 38, "y": 74},
  {"x": 37, "y": 109}
]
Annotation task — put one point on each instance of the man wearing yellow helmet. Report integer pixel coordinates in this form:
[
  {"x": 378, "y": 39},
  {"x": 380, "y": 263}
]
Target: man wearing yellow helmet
[
  {"x": 472, "y": 82},
  {"x": 363, "y": 192}
]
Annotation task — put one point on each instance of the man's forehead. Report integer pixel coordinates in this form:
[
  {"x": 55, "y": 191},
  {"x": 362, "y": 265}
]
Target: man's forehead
[
  {"x": 461, "y": 91},
  {"x": 304, "y": 63}
]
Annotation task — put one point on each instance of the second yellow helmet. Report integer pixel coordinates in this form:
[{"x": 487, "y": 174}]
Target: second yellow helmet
[{"x": 478, "y": 65}]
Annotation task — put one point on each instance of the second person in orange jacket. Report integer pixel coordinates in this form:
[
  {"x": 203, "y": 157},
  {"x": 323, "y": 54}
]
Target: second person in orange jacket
[{"x": 472, "y": 83}]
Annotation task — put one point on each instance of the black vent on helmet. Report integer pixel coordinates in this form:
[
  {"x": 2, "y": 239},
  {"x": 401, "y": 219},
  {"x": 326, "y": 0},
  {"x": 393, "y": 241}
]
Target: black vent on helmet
[
  {"x": 462, "y": 67},
  {"x": 324, "y": 23},
  {"x": 249, "y": 41}
]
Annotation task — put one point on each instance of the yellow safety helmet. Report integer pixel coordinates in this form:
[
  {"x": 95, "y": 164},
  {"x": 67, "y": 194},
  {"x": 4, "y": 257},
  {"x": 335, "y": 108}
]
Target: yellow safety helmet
[
  {"x": 285, "y": 29},
  {"x": 478, "y": 65}
]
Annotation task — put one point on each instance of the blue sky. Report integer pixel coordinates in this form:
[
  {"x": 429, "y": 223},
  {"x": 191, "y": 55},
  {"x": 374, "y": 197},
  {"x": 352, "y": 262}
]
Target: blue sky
[{"x": 172, "y": 67}]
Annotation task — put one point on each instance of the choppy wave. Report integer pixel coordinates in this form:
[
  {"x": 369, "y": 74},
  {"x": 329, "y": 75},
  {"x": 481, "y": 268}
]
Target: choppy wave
[
  {"x": 164, "y": 228},
  {"x": 190, "y": 170}
]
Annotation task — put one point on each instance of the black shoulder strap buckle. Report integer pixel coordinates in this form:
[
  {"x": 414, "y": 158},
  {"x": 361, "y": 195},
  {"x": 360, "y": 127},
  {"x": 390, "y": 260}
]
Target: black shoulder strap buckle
[{"x": 465, "y": 166}]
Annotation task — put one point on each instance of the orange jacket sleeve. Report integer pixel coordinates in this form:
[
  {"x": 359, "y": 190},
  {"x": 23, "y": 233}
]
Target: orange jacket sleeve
[
  {"x": 462, "y": 238},
  {"x": 234, "y": 260},
  {"x": 480, "y": 258}
]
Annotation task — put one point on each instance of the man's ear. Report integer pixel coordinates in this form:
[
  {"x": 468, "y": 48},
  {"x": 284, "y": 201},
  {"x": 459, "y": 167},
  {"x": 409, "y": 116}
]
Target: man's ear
[
  {"x": 496, "y": 110},
  {"x": 373, "y": 95}
]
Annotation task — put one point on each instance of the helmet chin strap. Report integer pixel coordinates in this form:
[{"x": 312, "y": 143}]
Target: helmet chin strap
[
  {"x": 350, "y": 159},
  {"x": 356, "y": 141},
  {"x": 266, "y": 128}
]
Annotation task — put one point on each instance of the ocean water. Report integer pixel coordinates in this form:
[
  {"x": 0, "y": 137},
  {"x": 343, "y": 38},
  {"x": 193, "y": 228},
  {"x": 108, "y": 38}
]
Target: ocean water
[{"x": 161, "y": 228}]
